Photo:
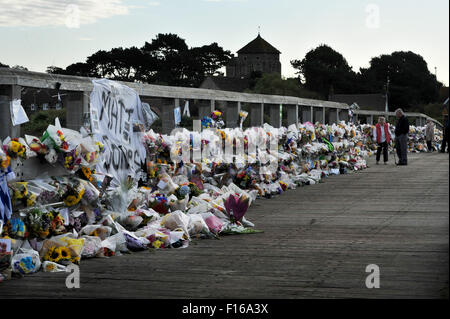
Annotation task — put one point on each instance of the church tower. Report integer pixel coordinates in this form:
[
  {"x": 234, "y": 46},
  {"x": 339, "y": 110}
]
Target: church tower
[{"x": 258, "y": 55}]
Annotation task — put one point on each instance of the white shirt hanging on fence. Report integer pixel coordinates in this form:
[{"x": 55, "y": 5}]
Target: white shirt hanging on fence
[
  {"x": 186, "y": 111},
  {"x": 177, "y": 115},
  {"x": 18, "y": 115}
]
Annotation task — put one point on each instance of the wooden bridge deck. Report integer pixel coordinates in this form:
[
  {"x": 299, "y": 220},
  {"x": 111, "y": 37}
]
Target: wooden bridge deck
[{"x": 317, "y": 242}]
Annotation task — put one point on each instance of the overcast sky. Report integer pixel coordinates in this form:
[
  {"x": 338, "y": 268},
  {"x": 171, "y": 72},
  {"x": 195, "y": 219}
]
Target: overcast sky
[{"x": 40, "y": 33}]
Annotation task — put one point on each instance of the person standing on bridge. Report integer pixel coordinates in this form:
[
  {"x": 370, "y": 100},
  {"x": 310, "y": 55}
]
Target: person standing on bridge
[
  {"x": 401, "y": 137},
  {"x": 429, "y": 135},
  {"x": 382, "y": 136}
]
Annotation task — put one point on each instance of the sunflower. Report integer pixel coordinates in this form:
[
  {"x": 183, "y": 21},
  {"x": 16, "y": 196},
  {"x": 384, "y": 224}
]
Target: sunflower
[
  {"x": 87, "y": 173},
  {"x": 72, "y": 200},
  {"x": 75, "y": 259},
  {"x": 64, "y": 253},
  {"x": 53, "y": 254}
]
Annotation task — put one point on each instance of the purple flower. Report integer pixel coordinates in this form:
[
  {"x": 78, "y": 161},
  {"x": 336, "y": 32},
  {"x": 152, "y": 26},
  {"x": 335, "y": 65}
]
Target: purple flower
[{"x": 236, "y": 207}]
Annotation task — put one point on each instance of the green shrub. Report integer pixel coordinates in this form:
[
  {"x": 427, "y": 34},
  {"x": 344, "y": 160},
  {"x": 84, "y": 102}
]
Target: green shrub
[{"x": 39, "y": 121}]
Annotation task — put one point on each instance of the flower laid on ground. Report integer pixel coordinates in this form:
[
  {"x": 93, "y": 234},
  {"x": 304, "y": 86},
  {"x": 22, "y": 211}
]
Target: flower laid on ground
[
  {"x": 58, "y": 254},
  {"x": 39, "y": 223},
  {"x": 236, "y": 207},
  {"x": 25, "y": 266}
]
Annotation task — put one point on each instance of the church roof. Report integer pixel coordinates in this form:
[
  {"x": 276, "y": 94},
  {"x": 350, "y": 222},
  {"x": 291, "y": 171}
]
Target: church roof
[{"x": 259, "y": 45}]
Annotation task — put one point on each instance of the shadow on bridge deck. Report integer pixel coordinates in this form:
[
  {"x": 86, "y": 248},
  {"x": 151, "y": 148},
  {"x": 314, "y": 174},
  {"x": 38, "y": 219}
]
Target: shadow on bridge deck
[{"x": 317, "y": 242}]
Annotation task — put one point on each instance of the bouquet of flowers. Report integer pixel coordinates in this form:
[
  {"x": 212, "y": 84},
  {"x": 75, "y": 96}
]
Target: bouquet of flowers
[
  {"x": 236, "y": 206},
  {"x": 50, "y": 266},
  {"x": 22, "y": 194},
  {"x": 62, "y": 249},
  {"x": 91, "y": 151},
  {"x": 193, "y": 190},
  {"x": 159, "y": 203},
  {"x": 36, "y": 145},
  {"x": 242, "y": 115},
  {"x": 58, "y": 254},
  {"x": 40, "y": 222},
  {"x": 54, "y": 138},
  {"x": 15, "y": 149},
  {"x": 74, "y": 192},
  {"x": 26, "y": 261},
  {"x": 182, "y": 191},
  {"x": 5, "y": 161},
  {"x": 72, "y": 159},
  {"x": 207, "y": 122},
  {"x": 5, "y": 259},
  {"x": 216, "y": 117},
  {"x": 15, "y": 228}
]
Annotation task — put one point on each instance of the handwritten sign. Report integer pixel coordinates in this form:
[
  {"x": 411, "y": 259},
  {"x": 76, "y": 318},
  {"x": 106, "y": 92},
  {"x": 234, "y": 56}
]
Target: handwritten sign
[{"x": 115, "y": 108}]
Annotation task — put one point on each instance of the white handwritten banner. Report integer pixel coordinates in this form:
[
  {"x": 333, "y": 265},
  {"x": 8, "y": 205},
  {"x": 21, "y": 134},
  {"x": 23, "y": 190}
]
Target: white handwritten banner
[{"x": 115, "y": 108}]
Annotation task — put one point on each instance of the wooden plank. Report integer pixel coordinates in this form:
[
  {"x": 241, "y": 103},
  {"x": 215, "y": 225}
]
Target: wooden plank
[{"x": 316, "y": 243}]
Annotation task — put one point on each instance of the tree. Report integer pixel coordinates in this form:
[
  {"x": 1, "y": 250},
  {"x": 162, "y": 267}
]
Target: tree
[
  {"x": 323, "y": 68},
  {"x": 81, "y": 69},
  {"x": 168, "y": 52},
  {"x": 212, "y": 57},
  {"x": 19, "y": 67},
  {"x": 411, "y": 83},
  {"x": 124, "y": 64},
  {"x": 3, "y": 65},
  {"x": 166, "y": 60},
  {"x": 99, "y": 63},
  {"x": 55, "y": 70}
]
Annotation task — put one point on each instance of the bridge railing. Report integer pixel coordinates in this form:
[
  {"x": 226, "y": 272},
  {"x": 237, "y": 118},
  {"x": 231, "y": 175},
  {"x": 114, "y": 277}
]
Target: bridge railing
[{"x": 168, "y": 97}]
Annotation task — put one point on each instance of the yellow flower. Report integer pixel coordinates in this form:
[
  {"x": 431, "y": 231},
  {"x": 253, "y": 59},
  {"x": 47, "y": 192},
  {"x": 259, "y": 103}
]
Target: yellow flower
[
  {"x": 6, "y": 162},
  {"x": 53, "y": 254},
  {"x": 65, "y": 253},
  {"x": 157, "y": 244},
  {"x": 50, "y": 267},
  {"x": 43, "y": 233},
  {"x": 75, "y": 260},
  {"x": 31, "y": 200}
]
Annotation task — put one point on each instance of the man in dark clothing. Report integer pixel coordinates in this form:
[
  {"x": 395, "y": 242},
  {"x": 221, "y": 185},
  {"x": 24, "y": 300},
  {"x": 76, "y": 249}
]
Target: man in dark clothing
[
  {"x": 401, "y": 137},
  {"x": 445, "y": 141}
]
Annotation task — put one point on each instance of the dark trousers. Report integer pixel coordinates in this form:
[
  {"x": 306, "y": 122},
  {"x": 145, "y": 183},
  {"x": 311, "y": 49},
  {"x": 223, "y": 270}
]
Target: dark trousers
[
  {"x": 382, "y": 147},
  {"x": 401, "y": 145},
  {"x": 429, "y": 146}
]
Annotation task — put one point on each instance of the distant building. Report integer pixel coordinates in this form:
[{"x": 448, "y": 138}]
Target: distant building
[{"x": 258, "y": 55}]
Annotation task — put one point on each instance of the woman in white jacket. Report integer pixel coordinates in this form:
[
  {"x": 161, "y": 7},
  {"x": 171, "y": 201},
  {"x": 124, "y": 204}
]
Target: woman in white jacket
[{"x": 382, "y": 136}]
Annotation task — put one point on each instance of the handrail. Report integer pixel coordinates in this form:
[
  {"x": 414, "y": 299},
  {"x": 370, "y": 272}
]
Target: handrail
[
  {"x": 77, "y": 83},
  {"x": 24, "y": 78}
]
